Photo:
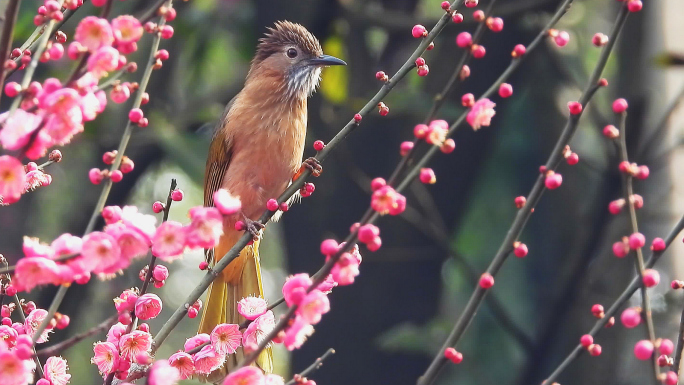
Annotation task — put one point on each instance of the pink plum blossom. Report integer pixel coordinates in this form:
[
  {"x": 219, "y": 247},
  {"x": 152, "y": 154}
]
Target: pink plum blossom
[
  {"x": 135, "y": 344},
  {"x": 386, "y": 200},
  {"x": 273, "y": 379},
  {"x": 252, "y": 307},
  {"x": 17, "y": 129},
  {"x": 115, "y": 332},
  {"x": 106, "y": 357},
  {"x": 481, "y": 113},
  {"x": 168, "y": 242},
  {"x": 297, "y": 333},
  {"x": 226, "y": 338},
  {"x": 103, "y": 61},
  {"x": 13, "y": 370},
  {"x": 248, "y": 375},
  {"x": 127, "y": 29},
  {"x": 148, "y": 306},
  {"x": 327, "y": 285},
  {"x": 100, "y": 251},
  {"x": 33, "y": 247},
  {"x": 12, "y": 178},
  {"x": 66, "y": 244},
  {"x": 294, "y": 289},
  {"x": 35, "y": 271},
  {"x": 33, "y": 321},
  {"x": 258, "y": 329},
  {"x": 143, "y": 223},
  {"x": 207, "y": 360},
  {"x": 313, "y": 306},
  {"x": 184, "y": 363},
  {"x": 55, "y": 370},
  {"x": 193, "y": 342},
  {"x": 205, "y": 228},
  {"x": 93, "y": 32},
  {"x": 131, "y": 242},
  {"x": 162, "y": 373}
]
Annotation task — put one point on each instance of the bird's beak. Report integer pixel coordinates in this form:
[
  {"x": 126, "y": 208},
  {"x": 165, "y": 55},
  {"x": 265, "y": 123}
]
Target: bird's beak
[{"x": 327, "y": 60}]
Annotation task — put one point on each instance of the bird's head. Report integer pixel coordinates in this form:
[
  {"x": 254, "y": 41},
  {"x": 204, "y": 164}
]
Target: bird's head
[{"x": 292, "y": 52}]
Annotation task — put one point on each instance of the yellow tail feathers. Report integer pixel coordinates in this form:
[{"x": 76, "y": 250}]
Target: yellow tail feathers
[{"x": 242, "y": 278}]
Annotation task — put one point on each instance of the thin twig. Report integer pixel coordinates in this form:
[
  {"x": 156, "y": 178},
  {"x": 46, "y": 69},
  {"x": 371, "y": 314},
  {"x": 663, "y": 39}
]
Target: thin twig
[
  {"x": 524, "y": 213},
  {"x": 628, "y": 192},
  {"x": 633, "y": 286},
  {"x": 11, "y": 13},
  {"x": 66, "y": 344},
  {"x": 312, "y": 368},
  {"x": 680, "y": 344},
  {"x": 20, "y": 310}
]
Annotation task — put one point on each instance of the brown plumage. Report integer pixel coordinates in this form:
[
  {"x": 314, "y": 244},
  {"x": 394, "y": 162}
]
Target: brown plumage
[{"x": 256, "y": 150}]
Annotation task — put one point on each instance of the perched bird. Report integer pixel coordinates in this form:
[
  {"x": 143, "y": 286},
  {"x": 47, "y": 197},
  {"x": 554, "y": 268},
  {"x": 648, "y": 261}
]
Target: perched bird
[{"x": 256, "y": 151}]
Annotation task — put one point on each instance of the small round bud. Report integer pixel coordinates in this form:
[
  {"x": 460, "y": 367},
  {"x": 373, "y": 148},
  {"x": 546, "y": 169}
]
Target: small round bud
[
  {"x": 586, "y": 340},
  {"x": 448, "y": 146},
  {"x": 445, "y": 5},
  {"x": 203, "y": 265},
  {"x": 157, "y": 207},
  {"x": 620, "y": 106},
  {"x": 634, "y": 5},
  {"x": 520, "y": 201},
  {"x": 465, "y": 72},
  {"x": 464, "y": 39},
  {"x": 457, "y": 18},
  {"x": 594, "y": 350},
  {"x": 505, "y": 90},
  {"x": 651, "y": 278},
  {"x": 562, "y": 38},
  {"x": 382, "y": 76},
  {"x": 420, "y": 62},
  {"x": 383, "y": 109},
  {"x": 12, "y": 89},
  {"x": 419, "y": 31},
  {"x": 427, "y": 176},
  {"x": 329, "y": 247},
  {"x": 479, "y": 16},
  {"x": 666, "y": 347},
  {"x": 636, "y": 241},
  {"x": 597, "y": 311},
  {"x": 167, "y": 32},
  {"x": 452, "y": 355},
  {"x": 630, "y": 318},
  {"x": 518, "y": 51},
  {"x": 109, "y": 156},
  {"x": 520, "y": 250},
  {"x": 478, "y": 51},
  {"x": 135, "y": 115},
  {"x": 116, "y": 176},
  {"x": 284, "y": 206},
  {"x": 486, "y": 281},
  {"x": 468, "y": 100},
  {"x": 575, "y": 107},
  {"x": 573, "y": 159},
  {"x": 495, "y": 24},
  {"x": 272, "y": 205},
  {"x": 611, "y": 131},
  {"x": 319, "y": 145},
  {"x": 553, "y": 181},
  {"x": 643, "y": 350},
  {"x": 405, "y": 148},
  {"x": 658, "y": 244},
  {"x": 471, "y": 3},
  {"x": 599, "y": 39},
  {"x": 192, "y": 312},
  {"x": 55, "y": 156},
  {"x": 642, "y": 172},
  {"x": 357, "y": 118},
  {"x": 95, "y": 176},
  {"x": 177, "y": 195},
  {"x": 423, "y": 70},
  {"x": 671, "y": 378}
]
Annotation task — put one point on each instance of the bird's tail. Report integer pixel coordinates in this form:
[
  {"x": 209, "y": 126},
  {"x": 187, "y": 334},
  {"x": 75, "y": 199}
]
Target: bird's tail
[{"x": 241, "y": 278}]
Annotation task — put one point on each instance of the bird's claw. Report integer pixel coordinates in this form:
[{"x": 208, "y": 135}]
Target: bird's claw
[
  {"x": 312, "y": 164},
  {"x": 254, "y": 228}
]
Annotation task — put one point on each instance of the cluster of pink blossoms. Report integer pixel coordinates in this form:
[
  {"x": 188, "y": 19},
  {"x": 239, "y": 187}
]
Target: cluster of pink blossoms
[
  {"x": 17, "y": 179},
  {"x": 128, "y": 235},
  {"x": 16, "y": 349}
]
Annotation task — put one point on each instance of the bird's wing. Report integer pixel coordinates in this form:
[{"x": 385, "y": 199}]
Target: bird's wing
[{"x": 218, "y": 160}]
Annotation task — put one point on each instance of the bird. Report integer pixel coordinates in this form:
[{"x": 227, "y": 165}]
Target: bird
[{"x": 255, "y": 153}]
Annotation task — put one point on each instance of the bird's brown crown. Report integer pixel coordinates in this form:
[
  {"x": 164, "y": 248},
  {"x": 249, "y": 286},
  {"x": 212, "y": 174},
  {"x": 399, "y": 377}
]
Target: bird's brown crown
[{"x": 283, "y": 34}]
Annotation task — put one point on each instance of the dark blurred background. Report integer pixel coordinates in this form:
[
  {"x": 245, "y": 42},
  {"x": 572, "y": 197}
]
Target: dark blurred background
[{"x": 387, "y": 326}]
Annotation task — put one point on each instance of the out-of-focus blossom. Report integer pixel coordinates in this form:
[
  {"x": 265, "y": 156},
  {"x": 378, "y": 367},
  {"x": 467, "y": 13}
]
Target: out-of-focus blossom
[
  {"x": 162, "y": 373},
  {"x": 127, "y": 29},
  {"x": 193, "y": 342},
  {"x": 17, "y": 129},
  {"x": 205, "y": 228},
  {"x": 386, "y": 200},
  {"x": 100, "y": 251},
  {"x": 294, "y": 289},
  {"x": 226, "y": 203},
  {"x": 297, "y": 333},
  {"x": 103, "y": 61},
  {"x": 12, "y": 178},
  {"x": 313, "y": 306},
  {"x": 168, "y": 242},
  {"x": 13, "y": 370},
  {"x": 33, "y": 321},
  {"x": 35, "y": 271},
  {"x": 249, "y": 375},
  {"x": 481, "y": 113},
  {"x": 93, "y": 32}
]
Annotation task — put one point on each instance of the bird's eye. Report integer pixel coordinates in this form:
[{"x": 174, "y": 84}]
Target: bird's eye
[{"x": 292, "y": 53}]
